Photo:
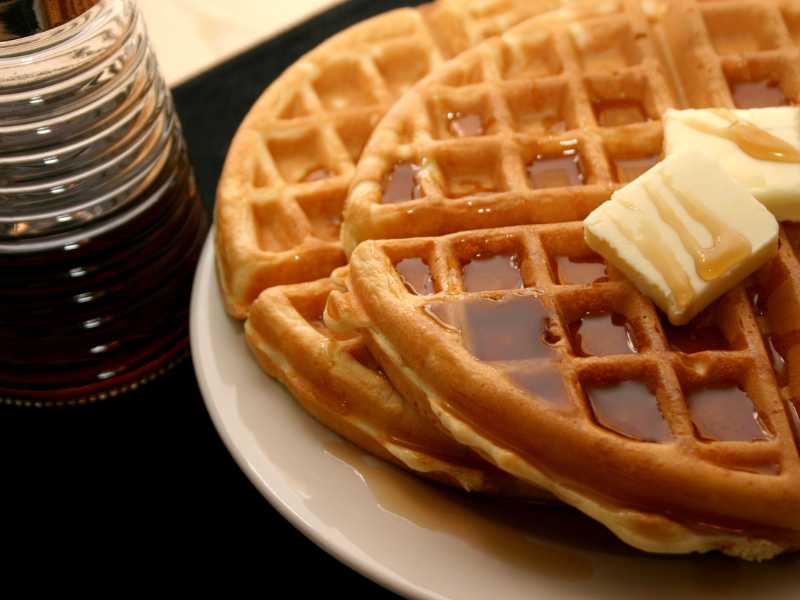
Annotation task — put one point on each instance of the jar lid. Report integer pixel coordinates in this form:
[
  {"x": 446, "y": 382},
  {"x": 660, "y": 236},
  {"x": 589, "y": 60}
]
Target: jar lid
[{"x": 21, "y": 18}]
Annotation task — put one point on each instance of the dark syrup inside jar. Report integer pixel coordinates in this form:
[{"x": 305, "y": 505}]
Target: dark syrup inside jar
[
  {"x": 105, "y": 310},
  {"x": 101, "y": 224}
]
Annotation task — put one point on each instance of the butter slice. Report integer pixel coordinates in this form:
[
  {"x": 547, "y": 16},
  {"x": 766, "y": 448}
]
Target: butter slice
[
  {"x": 775, "y": 184},
  {"x": 631, "y": 231}
]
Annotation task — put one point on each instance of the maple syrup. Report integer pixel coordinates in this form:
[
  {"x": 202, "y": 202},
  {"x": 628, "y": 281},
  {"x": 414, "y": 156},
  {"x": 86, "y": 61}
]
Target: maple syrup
[
  {"x": 725, "y": 413},
  {"x": 514, "y": 328},
  {"x": 21, "y": 18},
  {"x": 365, "y": 358},
  {"x": 546, "y": 121},
  {"x": 486, "y": 272},
  {"x": 750, "y": 138},
  {"x": 615, "y": 113},
  {"x": 601, "y": 335},
  {"x": 629, "y": 408},
  {"x": 758, "y": 94},
  {"x": 97, "y": 247},
  {"x": 564, "y": 170},
  {"x": 470, "y": 184},
  {"x": 103, "y": 309},
  {"x": 465, "y": 125},
  {"x": 628, "y": 169},
  {"x": 640, "y": 230},
  {"x": 511, "y": 532},
  {"x": 701, "y": 334},
  {"x": 416, "y": 276},
  {"x": 317, "y": 175},
  {"x": 793, "y": 410},
  {"x": 576, "y": 271},
  {"x": 728, "y": 248},
  {"x": 775, "y": 354},
  {"x": 777, "y": 360},
  {"x": 546, "y": 384},
  {"x": 401, "y": 184}
]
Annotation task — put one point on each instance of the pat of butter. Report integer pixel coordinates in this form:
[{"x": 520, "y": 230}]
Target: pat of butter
[
  {"x": 776, "y": 184},
  {"x": 684, "y": 233}
]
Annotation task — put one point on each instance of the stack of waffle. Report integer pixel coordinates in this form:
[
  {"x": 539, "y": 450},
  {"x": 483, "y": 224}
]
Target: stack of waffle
[{"x": 498, "y": 353}]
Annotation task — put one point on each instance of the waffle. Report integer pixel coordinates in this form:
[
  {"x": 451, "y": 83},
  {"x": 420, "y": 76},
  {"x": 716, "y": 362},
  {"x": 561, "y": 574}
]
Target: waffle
[
  {"x": 335, "y": 379},
  {"x": 528, "y": 358},
  {"x": 285, "y": 178},
  {"x": 678, "y": 439},
  {"x": 573, "y": 97}
]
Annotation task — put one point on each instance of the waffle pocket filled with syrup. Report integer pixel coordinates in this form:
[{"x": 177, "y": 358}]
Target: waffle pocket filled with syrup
[
  {"x": 450, "y": 156},
  {"x": 286, "y": 175},
  {"x": 528, "y": 347},
  {"x": 524, "y": 344},
  {"x": 278, "y": 213}
]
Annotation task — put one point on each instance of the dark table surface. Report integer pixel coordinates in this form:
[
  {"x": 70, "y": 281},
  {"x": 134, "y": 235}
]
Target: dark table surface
[{"x": 149, "y": 466}]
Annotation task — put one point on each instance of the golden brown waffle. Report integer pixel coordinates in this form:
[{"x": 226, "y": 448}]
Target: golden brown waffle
[
  {"x": 282, "y": 189},
  {"x": 529, "y": 350},
  {"x": 573, "y": 95},
  {"x": 336, "y": 379},
  {"x": 558, "y": 371}
]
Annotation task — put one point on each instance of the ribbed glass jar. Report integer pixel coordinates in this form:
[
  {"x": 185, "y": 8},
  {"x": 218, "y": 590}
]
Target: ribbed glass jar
[{"x": 100, "y": 221}]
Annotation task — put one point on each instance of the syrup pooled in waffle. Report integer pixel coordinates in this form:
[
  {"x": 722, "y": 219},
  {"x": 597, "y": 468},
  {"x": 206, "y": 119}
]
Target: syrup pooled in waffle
[
  {"x": 335, "y": 379},
  {"x": 525, "y": 346},
  {"x": 281, "y": 193},
  {"x": 541, "y": 124}
]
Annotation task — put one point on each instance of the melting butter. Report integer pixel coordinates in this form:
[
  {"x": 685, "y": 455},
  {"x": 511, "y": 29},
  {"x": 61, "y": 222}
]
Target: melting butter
[
  {"x": 683, "y": 246},
  {"x": 751, "y": 139},
  {"x": 728, "y": 247},
  {"x": 641, "y": 232}
]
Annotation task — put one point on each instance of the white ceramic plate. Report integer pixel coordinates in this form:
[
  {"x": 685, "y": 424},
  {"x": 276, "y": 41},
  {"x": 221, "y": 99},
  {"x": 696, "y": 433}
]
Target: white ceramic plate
[{"x": 412, "y": 537}]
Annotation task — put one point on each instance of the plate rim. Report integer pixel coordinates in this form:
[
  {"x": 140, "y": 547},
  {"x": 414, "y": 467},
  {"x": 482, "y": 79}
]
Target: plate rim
[
  {"x": 206, "y": 274},
  {"x": 206, "y": 301}
]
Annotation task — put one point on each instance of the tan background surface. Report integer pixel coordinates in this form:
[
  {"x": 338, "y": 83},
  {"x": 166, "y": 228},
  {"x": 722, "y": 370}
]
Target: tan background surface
[{"x": 192, "y": 35}]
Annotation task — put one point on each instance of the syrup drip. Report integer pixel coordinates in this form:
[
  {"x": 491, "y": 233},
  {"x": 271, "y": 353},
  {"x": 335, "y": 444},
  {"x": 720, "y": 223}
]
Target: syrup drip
[
  {"x": 728, "y": 248},
  {"x": 317, "y": 175},
  {"x": 487, "y": 272},
  {"x": 546, "y": 121},
  {"x": 443, "y": 315},
  {"x": 547, "y": 385},
  {"x": 465, "y": 125},
  {"x": 758, "y": 94},
  {"x": 793, "y": 409},
  {"x": 364, "y": 356},
  {"x": 777, "y": 359},
  {"x": 700, "y": 335},
  {"x": 614, "y": 113},
  {"x": 556, "y": 171},
  {"x": 416, "y": 276},
  {"x": 751, "y": 139},
  {"x": 517, "y": 535},
  {"x": 637, "y": 227},
  {"x": 629, "y": 169},
  {"x": 514, "y": 328},
  {"x": 725, "y": 414},
  {"x": 402, "y": 184},
  {"x": 577, "y": 271},
  {"x": 601, "y": 335},
  {"x": 630, "y": 409},
  {"x": 468, "y": 185}
]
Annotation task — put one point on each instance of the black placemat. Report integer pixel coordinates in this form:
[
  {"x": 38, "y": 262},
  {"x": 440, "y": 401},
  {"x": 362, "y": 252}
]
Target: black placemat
[{"x": 146, "y": 474}]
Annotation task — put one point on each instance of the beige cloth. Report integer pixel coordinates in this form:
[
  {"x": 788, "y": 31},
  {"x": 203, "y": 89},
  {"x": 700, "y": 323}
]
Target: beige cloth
[{"x": 192, "y": 35}]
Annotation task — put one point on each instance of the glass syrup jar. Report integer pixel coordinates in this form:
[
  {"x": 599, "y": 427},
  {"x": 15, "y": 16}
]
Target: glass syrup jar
[{"x": 101, "y": 224}]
